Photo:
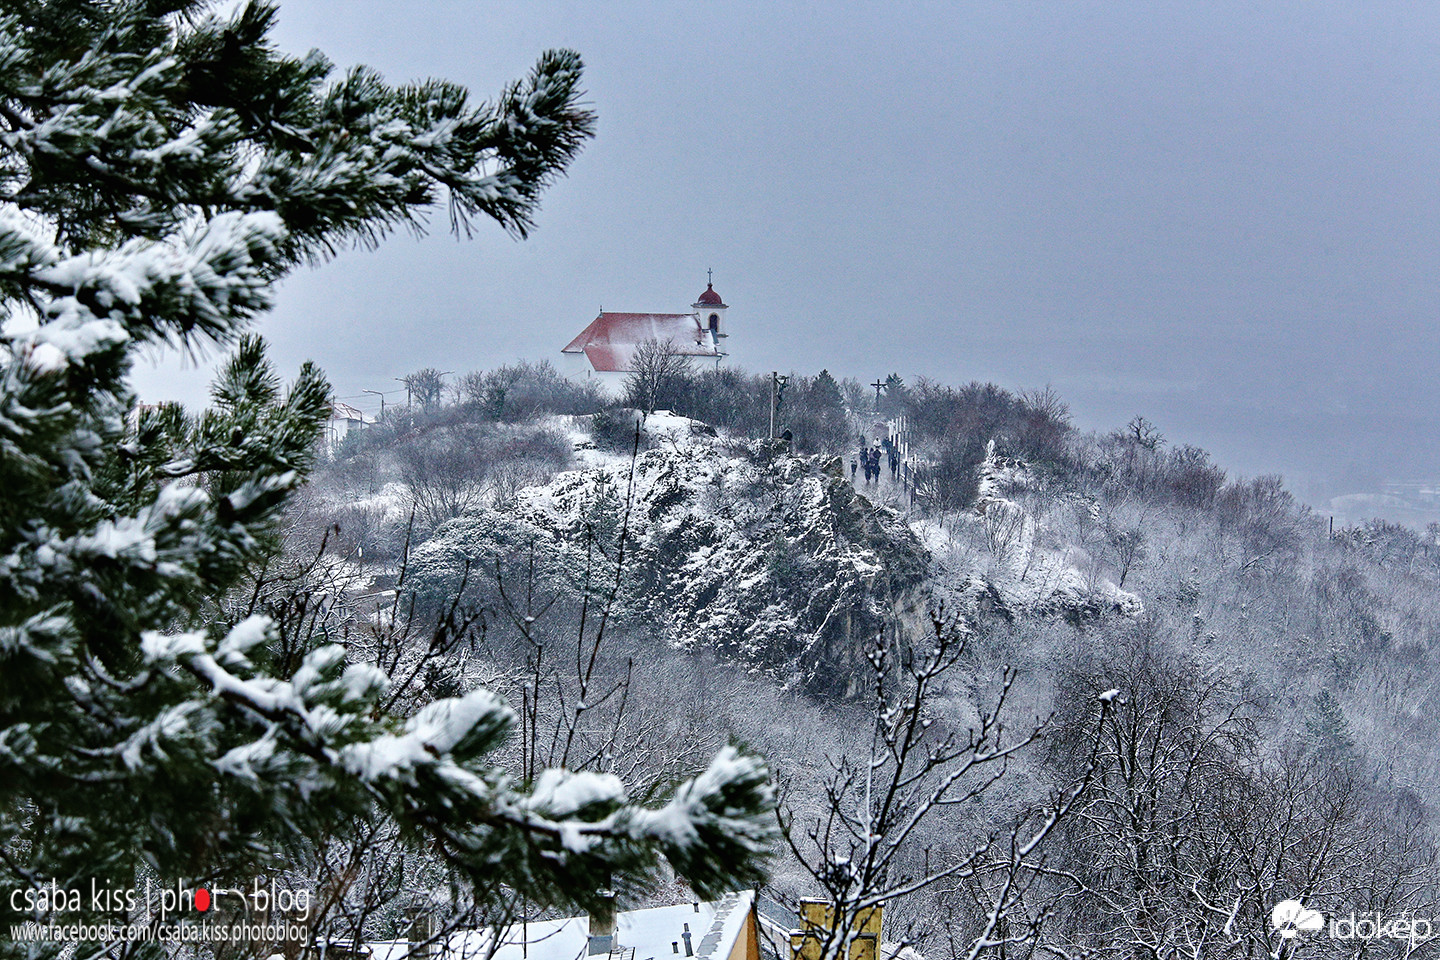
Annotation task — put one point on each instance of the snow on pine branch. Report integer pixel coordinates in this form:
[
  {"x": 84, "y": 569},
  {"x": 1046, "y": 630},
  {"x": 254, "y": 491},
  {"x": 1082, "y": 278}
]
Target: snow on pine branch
[
  {"x": 715, "y": 830},
  {"x": 480, "y": 718},
  {"x": 207, "y": 280},
  {"x": 724, "y": 815},
  {"x": 155, "y": 190}
]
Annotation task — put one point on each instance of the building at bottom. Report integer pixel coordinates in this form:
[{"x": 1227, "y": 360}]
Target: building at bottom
[{"x": 723, "y": 929}]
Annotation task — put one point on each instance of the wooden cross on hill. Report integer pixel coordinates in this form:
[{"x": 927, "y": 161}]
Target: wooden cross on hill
[{"x": 878, "y": 385}]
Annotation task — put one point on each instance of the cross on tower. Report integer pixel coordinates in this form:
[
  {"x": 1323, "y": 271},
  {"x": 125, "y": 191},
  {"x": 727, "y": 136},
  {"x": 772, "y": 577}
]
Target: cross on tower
[{"x": 710, "y": 278}]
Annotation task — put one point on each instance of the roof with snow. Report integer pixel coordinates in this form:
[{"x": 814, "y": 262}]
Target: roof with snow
[
  {"x": 712, "y": 929},
  {"x": 611, "y": 339},
  {"x": 343, "y": 411},
  {"x": 710, "y": 298}
]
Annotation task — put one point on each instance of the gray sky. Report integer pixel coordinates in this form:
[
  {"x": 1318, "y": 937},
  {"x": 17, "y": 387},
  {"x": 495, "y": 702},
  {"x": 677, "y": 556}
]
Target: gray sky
[{"x": 1225, "y": 216}]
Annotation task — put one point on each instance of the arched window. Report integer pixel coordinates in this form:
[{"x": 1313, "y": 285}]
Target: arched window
[{"x": 714, "y": 322}]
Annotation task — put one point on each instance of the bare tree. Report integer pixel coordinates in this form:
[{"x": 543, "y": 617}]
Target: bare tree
[
  {"x": 446, "y": 473},
  {"x": 1190, "y": 835},
  {"x": 1006, "y": 525},
  {"x": 1143, "y": 433},
  {"x": 1047, "y": 403},
  {"x": 1129, "y": 549},
  {"x": 873, "y": 839},
  {"x": 425, "y": 386},
  {"x": 657, "y": 372}
]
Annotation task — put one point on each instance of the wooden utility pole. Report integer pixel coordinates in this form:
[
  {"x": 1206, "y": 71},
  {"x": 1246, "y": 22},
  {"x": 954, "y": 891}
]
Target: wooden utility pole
[
  {"x": 777, "y": 388},
  {"x": 774, "y": 379}
]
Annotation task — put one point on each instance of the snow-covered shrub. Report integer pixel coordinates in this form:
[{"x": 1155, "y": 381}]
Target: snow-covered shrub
[
  {"x": 614, "y": 429},
  {"x": 526, "y": 390}
]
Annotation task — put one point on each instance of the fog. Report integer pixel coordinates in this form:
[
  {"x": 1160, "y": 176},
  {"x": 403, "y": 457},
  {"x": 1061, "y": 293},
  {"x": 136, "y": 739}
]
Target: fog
[{"x": 1221, "y": 215}]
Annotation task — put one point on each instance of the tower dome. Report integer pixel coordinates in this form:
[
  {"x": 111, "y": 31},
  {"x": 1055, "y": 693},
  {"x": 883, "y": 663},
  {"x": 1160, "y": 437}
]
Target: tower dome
[{"x": 710, "y": 311}]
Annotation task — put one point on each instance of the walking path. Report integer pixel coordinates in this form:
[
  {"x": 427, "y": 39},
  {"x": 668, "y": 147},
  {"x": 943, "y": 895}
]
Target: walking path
[{"x": 888, "y": 490}]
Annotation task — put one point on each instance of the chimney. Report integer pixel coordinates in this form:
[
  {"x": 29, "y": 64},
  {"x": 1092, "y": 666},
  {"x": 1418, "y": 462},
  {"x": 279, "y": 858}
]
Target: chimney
[{"x": 602, "y": 925}]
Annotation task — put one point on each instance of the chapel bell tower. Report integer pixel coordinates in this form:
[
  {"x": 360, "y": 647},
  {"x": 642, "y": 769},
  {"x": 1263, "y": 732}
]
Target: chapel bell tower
[{"x": 710, "y": 312}]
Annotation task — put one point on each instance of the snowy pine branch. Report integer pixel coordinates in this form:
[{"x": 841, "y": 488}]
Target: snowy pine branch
[{"x": 161, "y": 166}]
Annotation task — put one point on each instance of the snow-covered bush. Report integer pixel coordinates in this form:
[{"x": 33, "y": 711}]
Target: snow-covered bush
[{"x": 523, "y": 390}]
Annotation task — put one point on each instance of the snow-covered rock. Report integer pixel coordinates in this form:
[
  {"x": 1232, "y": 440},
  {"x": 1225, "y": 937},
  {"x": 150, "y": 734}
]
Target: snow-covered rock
[{"x": 770, "y": 558}]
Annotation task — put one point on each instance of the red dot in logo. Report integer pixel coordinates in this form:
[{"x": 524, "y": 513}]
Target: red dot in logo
[{"x": 202, "y": 900}]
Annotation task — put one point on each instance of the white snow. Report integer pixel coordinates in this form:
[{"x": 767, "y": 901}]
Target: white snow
[
  {"x": 215, "y": 269},
  {"x": 241, "y": 761},
  {"x": 243, "y": 636},
  {"x": 157, "y": 647},
  {"x": 674, "y": 824},
  {"x": 429, "y": 736},
  {"x": 1000, "y": 545},
  {"x": 172, "y": 723},
  {"x": 537, "y": 940},
  {"x": 560, "y": 793},
  {"x": 657, "y": 933},
  {"x": 113, "y": 538}
]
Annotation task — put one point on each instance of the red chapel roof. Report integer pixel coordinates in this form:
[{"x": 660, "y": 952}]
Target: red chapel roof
[{"x": 610, "y": 341}]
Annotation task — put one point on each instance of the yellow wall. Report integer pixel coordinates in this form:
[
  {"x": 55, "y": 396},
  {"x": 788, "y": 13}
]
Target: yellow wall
[
  {"x": 747, "y": 945},
  {"x": 817, "y": 917}
]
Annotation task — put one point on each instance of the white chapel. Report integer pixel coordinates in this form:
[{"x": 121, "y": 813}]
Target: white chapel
[{"x": 606, "y": 348}]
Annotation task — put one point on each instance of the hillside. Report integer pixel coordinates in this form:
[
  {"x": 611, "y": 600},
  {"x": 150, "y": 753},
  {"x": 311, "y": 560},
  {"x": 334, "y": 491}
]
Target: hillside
[{"x": 743, "y": 585}]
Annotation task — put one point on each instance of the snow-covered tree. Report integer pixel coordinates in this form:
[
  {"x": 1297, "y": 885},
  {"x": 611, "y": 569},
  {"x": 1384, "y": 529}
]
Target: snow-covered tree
[
  {"x": 878, "y": 835},
  {"x": 160, "y": 168}
]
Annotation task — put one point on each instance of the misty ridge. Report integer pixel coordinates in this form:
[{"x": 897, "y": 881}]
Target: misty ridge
[{"x": 1268, "y": 678}]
